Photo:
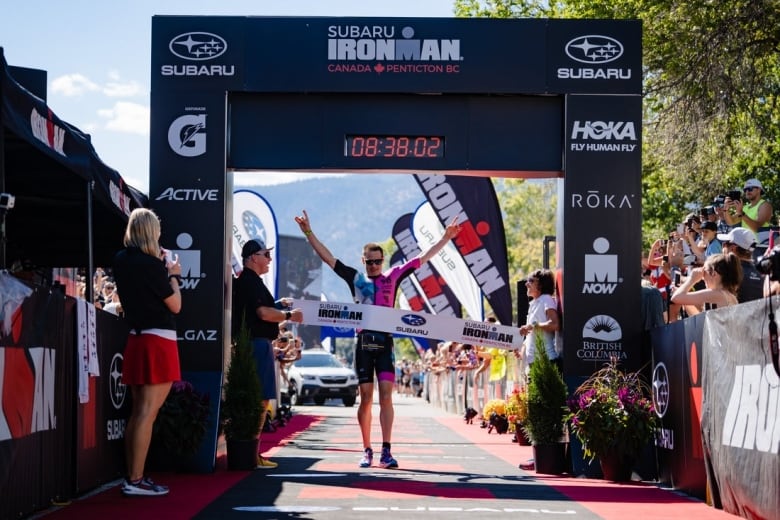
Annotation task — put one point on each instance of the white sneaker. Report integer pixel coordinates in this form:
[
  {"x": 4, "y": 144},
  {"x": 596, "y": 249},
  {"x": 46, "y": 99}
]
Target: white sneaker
[{"x": 143, "y": 488}]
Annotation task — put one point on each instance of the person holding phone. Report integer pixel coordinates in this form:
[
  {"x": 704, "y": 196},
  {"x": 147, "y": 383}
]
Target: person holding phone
[
  {"x": 751, "y": 211},
  {"x": 151, "y": 297}
]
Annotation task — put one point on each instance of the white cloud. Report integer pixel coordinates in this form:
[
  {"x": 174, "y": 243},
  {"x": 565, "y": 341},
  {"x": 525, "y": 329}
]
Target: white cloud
[
  {"x": 73, "y": 85},
  {"x": 113, "y": 89},
  {"x": 127, "y": 117}
]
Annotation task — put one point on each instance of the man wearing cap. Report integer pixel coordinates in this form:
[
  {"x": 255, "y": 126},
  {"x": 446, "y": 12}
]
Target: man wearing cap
[
  {"x": 254, "y": 304},
  {"x": 741, "y": 242},
  {"x": 752, "y": 211}
]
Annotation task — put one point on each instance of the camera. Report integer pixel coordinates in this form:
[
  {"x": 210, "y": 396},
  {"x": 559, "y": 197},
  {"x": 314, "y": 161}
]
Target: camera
[
  {"x": 770, "y": 263},
  {"x": 734, "y": 195},
  {"x": 706, "y": 211},
  {"x": 719, "y": 200},
  {"x": 677, "y": 278},
  {"x": 6, "y": 201}
]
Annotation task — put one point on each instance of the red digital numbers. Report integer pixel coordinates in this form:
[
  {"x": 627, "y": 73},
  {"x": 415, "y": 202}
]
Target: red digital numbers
[{"x": 395, "y": 146}]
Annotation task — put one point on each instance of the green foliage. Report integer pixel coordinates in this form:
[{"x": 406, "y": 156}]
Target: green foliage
[
  {"x": 182, "y": 420},
  {"x": 404, "y": 348},
  {"x": 711, "y": 84},
  {"x": 529, "y": 210},
  {"x": 611, "y": 413},
  {"x": 546, "y": 398},
  {"x": 241, "y": 409}
]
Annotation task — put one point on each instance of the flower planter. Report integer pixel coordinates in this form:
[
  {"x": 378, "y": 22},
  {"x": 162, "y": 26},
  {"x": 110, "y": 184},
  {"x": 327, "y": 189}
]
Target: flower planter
[
  {"x": 550, "y": 459},
  {"x": 616, "y": 467},
  {"x": 522, "y": 439}
]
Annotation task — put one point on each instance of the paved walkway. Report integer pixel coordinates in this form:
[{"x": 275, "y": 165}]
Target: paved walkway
[{"x": 447, "y": 467}]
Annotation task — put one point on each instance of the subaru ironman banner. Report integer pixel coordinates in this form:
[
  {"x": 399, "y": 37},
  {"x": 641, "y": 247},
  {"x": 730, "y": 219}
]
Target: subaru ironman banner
[{"x": 388, "y": 319}]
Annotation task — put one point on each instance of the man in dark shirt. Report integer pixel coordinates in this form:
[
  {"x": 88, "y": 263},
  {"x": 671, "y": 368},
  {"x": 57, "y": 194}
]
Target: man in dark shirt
[{"x": 254, "y": 305}]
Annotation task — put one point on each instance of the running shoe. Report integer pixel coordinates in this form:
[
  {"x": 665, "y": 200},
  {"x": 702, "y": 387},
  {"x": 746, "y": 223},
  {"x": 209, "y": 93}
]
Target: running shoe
[
  {"x": 143, "y": 488},
  {"x": 368, "y": 458},
  {"x": 387, "y": 460},
  {"x": 263, "y": 463},
  {"x": 528, "y": 465}
]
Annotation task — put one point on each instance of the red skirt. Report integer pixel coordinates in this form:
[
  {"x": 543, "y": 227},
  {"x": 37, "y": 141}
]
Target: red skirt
[{"x": 150, "y": 359}]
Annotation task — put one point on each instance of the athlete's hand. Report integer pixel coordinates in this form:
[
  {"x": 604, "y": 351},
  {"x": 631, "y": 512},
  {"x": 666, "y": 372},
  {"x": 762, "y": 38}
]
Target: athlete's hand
[
  {"x": 453, "y": 228},
  {"x": 304, "y": 223}
]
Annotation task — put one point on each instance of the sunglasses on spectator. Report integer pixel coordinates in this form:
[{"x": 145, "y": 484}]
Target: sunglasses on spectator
[
  {"x": 377, "y": 261},
  {"x": 749, "y": 189},
  {"x": 266, "y": 254}
]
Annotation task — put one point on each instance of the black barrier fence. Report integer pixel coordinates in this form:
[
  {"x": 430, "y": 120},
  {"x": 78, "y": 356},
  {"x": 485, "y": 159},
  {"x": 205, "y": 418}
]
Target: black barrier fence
[
  {"x": 52, "y": 447},
  {"x": 714, "y": 386}
]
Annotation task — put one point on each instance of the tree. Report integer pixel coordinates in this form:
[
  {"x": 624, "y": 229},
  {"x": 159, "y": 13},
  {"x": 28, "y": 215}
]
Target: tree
[
  {"x": 711, "y": 81},
  {"x": 528, "y": 209}
]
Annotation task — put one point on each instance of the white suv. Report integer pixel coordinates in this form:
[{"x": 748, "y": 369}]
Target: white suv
[{"x": 319, "y": 375}]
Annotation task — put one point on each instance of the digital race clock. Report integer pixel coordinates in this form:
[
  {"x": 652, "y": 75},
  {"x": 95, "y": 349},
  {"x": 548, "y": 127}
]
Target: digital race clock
[{"x": 394, "y": 146}]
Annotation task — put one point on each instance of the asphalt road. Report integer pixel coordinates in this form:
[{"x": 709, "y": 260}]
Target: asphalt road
[{"x": 446, "y": 468}]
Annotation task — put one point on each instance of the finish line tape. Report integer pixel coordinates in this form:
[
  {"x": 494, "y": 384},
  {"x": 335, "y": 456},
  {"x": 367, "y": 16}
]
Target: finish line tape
[{"x": 408, "y": 323}]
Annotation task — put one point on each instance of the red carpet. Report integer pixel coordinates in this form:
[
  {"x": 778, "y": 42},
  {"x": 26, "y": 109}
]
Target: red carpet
[
  {"x": 191, "y": 493},
  {"x": 201, "y": 489},
  {"x": 609, "y": 500}
]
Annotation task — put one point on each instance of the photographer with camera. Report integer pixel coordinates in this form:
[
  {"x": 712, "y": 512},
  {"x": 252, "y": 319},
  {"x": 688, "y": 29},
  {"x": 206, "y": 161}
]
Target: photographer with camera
[
  {"x": 753, "y": 212},
  {"x": 741, "y": 242},
  {"x": 718, "y": 205},
  {"x": 769, "y": 264}
]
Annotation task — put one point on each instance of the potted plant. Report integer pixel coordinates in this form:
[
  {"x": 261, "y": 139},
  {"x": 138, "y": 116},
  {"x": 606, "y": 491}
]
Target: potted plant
[
  {"x": 494, "y": 416},
  {"x": 180, "y": 426},
  {"x": 547, "y": 394},
  {"x": 517, "y": 414},
  {"x": 241, "y": 407},
  {"x": 611, "y": 414}
]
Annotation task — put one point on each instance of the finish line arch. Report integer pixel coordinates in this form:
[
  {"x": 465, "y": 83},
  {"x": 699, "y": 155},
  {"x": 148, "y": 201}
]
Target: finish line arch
[{"x": 482, "y": 97}]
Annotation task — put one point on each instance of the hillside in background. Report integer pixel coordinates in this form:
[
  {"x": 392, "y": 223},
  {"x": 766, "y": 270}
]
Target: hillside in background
[{"x": 345, "y": 211}]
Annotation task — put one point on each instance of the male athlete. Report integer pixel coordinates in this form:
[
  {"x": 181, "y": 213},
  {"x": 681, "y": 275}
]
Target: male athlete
[{"x": 374, "y": 349}]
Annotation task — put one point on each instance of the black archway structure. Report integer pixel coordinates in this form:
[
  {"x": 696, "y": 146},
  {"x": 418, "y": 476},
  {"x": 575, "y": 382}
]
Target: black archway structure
[{"x": 479, "y": 97}]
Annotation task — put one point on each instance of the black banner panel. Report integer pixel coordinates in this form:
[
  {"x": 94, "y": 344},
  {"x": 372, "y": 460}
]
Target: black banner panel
[
  {"x": 395, "y": 132},
  {"x": 599, "y": 234},
  {"x": 425, "y": 55},
  {"x": 677, "y": 397},
  {"x": 187, "y": 188}
]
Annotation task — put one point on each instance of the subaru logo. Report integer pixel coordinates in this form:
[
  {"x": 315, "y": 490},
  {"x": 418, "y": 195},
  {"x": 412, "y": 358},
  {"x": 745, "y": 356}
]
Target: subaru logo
[
  {"x": 198, "y": 46},
  {"x": 413, "y": 319},
  {"x": 594, "y": 49},
  {"x": 116, "y": 389},
  {"x": 253, "y": 226},
  {"x": 661, "y": 390}
]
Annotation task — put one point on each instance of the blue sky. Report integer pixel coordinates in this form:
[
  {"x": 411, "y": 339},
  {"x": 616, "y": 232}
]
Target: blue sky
[{"x": 97, "y": 54}]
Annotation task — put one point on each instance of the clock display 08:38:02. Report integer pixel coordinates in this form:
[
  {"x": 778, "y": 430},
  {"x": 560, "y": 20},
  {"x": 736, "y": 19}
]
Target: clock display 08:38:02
[{"x": 394, "y": 146}]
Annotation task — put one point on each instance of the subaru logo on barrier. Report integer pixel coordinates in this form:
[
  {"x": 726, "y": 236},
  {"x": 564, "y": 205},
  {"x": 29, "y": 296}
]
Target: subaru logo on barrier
[
  {"x": 198, "y": 46},
  {"x": 661, "y": 391},
  {"x": 594, "y": 49},
  {"x": 413, "y": 320},
  {"x": 116, "y": 389}
]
